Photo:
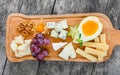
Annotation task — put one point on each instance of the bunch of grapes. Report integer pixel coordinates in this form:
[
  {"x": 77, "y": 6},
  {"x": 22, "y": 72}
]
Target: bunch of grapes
[{"x": 37, "y": 49}]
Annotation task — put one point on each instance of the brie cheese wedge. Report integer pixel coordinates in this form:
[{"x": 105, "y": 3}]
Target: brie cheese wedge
[
  {"x": 68, "y": 51},
  {"x": 57, "y": 46}
]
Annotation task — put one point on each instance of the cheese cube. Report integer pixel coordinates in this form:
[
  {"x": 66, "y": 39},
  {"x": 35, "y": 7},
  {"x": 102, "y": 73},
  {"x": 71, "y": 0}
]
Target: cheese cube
[
  {"x": 54, "y": 34},
  {"x": 63, "y": 24},
  {"x": 63, "y": 34},
  {"x": 51, "y": 25},
  {"x": 58, "y": 27}
]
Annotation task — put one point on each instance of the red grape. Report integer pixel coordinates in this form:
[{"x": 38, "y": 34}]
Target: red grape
[
  {"x": 46, "y": 41},
  {"x": 40, "y": 41},
  {"x": 37, "y": 49},
  {"x": 39, "y": 35},
  {"x": 34, "y": 41},
  {"x": 34, "y": 54},
  {"x": 40, "y": 56},
  {"x": 31, "y": 47},
  {"x": 45, "y": 52}
]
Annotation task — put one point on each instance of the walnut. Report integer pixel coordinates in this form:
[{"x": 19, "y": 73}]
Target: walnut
[
  {"x": 29, "y": 27},
  {"x": 30, "y": 24},
  {"x": 21, "y": 27},
  {"x": 25, "y": 23},
  {"x": 26, "y": 28},
  {"x": 24, "y": 33}
]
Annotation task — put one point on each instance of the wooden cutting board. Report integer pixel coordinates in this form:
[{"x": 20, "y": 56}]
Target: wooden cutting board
[{"x": 15, "y": 18}]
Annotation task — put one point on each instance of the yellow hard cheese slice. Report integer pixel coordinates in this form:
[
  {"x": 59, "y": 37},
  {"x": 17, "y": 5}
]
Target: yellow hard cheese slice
[
  {"x": 94, "y": 52},
  {"x": 86, "y": 55},
  {"x": 96, "y": 45}
]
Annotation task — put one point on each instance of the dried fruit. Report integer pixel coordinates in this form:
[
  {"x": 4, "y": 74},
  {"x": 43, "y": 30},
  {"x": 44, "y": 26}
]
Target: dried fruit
[{"x": 40, "y": 27}]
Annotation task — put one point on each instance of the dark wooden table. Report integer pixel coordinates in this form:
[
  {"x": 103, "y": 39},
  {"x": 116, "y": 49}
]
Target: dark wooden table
[{"x": 37, "y": 7}]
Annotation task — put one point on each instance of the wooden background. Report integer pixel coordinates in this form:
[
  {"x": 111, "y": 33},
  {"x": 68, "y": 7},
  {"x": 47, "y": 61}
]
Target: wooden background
[{"x": 36, "y": 7}]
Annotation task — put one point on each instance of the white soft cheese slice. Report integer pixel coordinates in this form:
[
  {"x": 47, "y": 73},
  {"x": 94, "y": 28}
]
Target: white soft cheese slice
[
  {"x": 68, "y": 51},
  {"x": 65, "y": 53},
  {"x": 72, "y": 51},
  {"x": 24, "y": 49},
  {"x": 17, "y": 54},
  {"x": 19, "y": 39},
  {"x": 13, "y": 45},
  {"x": 59, "y": 45},
  {"x": 28, "y": 41}
]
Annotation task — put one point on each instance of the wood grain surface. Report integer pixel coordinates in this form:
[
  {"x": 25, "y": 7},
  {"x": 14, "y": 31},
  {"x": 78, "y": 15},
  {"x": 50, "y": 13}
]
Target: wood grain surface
[
  {"x": 39, "y": 7},
  {"x": 14, "y": 19}
]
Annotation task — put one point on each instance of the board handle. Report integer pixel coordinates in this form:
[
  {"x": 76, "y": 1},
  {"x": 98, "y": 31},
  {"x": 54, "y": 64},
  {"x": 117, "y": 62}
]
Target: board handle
[{"x": 115, "y": 37}]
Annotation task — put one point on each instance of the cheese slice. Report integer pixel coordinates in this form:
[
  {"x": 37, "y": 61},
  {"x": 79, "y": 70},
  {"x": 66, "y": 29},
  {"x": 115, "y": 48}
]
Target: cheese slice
[
  {"x": 13, "y": 45},
  {"x": 86, "y": 55},
  {"x": 96, "y": 45},
  {"x": 57, "y": 46},
  {"x": 72, "y": 51},
  {"x": 28, "y": 41},
  {"x": 67, "y": 52},
  {"x": 94, "y": 52},
  {"x": 24, "y": 49},
  {"x": 17, "y": 54},
  {"x": 19, "y": 39}
]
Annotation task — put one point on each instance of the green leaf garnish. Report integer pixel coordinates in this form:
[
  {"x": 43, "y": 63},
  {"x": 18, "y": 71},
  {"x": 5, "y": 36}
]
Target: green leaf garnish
[
  {"x": 80, "y": 41},
  {"x": 80, "y": 36}
]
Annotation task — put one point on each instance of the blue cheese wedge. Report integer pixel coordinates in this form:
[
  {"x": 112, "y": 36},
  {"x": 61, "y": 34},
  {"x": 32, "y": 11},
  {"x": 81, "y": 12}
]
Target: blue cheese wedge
[
  {"x": 63, "y": 34},
  {"x": 54, "y": 34},
  {"x": 63, "y": 24},
  {"x": 57, "y": 46},
  {"x": 67, "y": 52},
  {"x": 58, "y": 27},
  {"x": 51, "y": 25}
]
